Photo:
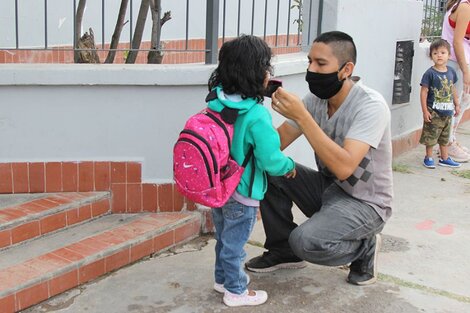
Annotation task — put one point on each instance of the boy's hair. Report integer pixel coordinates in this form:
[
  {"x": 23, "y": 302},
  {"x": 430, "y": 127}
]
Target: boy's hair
[
  {"x": 342, "y": 45},
  {"x": 437, "y": 44},
  {"x": 243, "y": 65}
]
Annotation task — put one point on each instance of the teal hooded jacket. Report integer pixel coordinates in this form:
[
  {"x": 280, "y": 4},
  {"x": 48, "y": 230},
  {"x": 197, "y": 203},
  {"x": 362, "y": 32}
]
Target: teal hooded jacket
[{"x": 253, "y": 127}]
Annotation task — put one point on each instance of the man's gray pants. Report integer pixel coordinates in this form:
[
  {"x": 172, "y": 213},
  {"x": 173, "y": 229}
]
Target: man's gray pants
[{"x": 339, "y": 229}]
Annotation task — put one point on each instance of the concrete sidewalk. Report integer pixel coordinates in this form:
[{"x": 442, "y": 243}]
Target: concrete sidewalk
[{"x": 424, "y": 265}]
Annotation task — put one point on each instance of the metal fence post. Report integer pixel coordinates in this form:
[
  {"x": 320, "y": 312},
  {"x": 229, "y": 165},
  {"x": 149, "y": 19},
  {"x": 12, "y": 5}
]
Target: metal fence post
[
  {"x": 311, "y": 23},
  {"x": 212, "y": 31}
]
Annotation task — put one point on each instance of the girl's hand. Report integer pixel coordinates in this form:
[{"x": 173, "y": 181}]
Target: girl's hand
[
  {"x": 291, "y": 174},
  {"x": 466, "y": 82}
]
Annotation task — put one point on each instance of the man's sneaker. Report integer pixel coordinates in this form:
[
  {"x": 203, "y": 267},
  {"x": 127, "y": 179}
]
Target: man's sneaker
[
  {"x": 268, "y": 262},
  {"x": 252, "y": 297},
  {"x": 449, "y": 163},
  {"x": 429, "y": 162},
  {"x": 364, "y": 271},
  {"x": 457, "y": 153},
  {"x": 220, "y": 287}
]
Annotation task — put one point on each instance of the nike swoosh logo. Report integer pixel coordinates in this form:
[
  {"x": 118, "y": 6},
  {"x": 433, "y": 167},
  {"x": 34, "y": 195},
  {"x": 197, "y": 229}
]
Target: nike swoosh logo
[{"x": 187, "y": 165}]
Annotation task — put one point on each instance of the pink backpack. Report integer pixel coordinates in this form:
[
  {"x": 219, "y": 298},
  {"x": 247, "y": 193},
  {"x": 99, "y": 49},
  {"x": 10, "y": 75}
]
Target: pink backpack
[{"x": 203, "y": 169}]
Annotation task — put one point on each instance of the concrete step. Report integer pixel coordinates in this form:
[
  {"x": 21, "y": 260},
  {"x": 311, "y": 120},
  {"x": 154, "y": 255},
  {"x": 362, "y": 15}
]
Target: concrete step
[
  {"x": 27, "y": 216},
  {"x": 49, "y": 265}
]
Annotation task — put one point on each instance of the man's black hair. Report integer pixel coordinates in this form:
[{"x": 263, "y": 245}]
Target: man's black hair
[
  {"x": 243, "y": 65},
  {"x": 342, "y": 45}
]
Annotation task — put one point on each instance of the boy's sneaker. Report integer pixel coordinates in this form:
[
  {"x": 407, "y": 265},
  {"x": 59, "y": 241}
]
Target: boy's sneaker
[
  {"x": 457, "y": 153},
  {"x": 429, "y": 162},
  {"x": 258, "y": 297},
  {"x": 449, "y": 163},
  {"x": 268, "y": 262},
  {"x": 221, "y": 289},
  {"x": 364, "y": 271}
]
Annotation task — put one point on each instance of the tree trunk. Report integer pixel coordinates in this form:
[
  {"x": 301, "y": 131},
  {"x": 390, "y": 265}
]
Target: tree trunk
[
  {"x": 78, "y": 27},
  {"x": 139, "y": 29},
  {"x": 87, "y": 53},
  {"x": 155, "y": 55},
  {"x": 117, "y": 32}
]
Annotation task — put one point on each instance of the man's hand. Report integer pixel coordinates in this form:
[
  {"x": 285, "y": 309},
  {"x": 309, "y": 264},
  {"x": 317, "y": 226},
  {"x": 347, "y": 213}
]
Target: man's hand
[{"x": 288, "y": 104}]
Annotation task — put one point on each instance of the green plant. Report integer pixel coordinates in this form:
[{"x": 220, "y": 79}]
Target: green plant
[
  {"x": 462, "y": 173},
  {"x": 401, "y": 168},
  {"x": 298, "y": 5},
  {"x": 431, "y": 25}
]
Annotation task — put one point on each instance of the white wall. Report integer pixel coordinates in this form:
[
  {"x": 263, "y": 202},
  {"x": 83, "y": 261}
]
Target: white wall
[
  {"x": 113, "y": 112},
  {"x": 376, "y": 26},
  {"x": 135, "y": 112},
  {"x": 60, "y": 20}
]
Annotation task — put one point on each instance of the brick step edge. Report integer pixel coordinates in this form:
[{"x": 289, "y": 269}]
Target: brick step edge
[
  {"x": 87, "y": 259},
  {"x": 33, "y": 225}
]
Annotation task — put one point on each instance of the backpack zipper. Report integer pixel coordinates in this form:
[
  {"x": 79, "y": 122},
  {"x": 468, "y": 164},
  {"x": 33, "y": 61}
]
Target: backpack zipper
[
  {"x": 192, "y": 133},
  {"x": 206, "y": 162}
]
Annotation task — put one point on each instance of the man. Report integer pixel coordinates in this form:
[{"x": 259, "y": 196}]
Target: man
[{"x": 349, "y": 198}]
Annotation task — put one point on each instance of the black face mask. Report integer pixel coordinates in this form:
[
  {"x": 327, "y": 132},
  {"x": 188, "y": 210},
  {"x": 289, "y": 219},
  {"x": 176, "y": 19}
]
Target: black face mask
[{"x": 324, "y": 86}]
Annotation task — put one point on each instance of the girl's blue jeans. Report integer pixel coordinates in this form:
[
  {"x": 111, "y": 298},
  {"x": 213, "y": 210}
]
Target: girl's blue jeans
[{"x": 233, "y": 225}]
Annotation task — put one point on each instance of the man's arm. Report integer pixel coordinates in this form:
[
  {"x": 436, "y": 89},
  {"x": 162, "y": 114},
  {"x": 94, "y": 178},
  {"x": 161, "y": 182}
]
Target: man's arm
[{"x": 341, "y": 161}]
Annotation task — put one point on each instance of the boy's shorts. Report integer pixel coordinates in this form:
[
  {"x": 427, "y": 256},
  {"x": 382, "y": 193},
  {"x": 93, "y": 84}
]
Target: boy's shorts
[{"x": 438, "y": 131}]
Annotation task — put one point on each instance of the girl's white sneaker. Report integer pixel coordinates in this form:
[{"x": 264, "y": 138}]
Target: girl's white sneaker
[
  {"x": 221, "y": 289},
  {"x": 258, "y": 297}
]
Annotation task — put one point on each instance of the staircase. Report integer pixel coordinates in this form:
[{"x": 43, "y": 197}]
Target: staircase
[{"x": 54, "y": 241}]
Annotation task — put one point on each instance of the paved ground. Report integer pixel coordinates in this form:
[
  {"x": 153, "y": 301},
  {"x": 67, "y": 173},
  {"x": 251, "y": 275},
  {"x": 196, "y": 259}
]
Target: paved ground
[{"x": 424, "y": 265}]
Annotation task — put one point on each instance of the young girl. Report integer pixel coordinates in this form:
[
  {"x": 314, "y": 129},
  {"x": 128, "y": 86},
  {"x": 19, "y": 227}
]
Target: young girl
[{"x": 240, "y": 81}]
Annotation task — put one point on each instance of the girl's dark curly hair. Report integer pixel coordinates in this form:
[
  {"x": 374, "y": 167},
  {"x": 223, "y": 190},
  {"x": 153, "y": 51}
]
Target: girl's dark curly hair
[{"x": 243, "y": 65}]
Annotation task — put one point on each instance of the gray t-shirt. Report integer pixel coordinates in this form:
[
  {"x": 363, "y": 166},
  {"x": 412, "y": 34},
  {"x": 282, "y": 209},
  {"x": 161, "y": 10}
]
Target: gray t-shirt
[{"x": 364, "y": 116}]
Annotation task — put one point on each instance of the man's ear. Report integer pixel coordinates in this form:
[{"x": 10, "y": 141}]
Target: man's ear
[{"x": 348, "y": 70}]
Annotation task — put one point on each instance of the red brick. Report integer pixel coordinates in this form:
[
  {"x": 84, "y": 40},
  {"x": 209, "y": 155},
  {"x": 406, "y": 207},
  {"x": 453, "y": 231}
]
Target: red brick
[
  {"x": 164, "y": 241},
  {"x": 36, "y": 177},
  {"x": 178, "y": 201},
  {"x": 72, "y": 217},
  {"x": 149, "y": 197},
  {"x": 99, "y": 208},
  {"x": 119, "y": 201},
  {"x": 91, "y": 271},
  {"x": 134, "y": 172},
  {"x": 32, "y": 295},
  {"x": 86, "y": 180},
  {"x": 5, "y": 238},
  {"x": 67, "y": 254},
  {"x": 63, "y": 282},
  {"x": 141, "y": 250},
  {"x": 134, "y": 198},
  {"x": 25, "y": 232},
  {"x": 70, "y": 176},
  {"x": 118, "y": 172},
  {"x": 53, "y": 176},
  {"x": 53, "y": 222},
  {"x": 184, "y": 232},
  {"x": 6, "y": 178},
  {"x": 165, "y": 198},
  {"x": 102, "y": 176},
  {"x": 20, "y": 177},
  {"x": 84, "y": 212},
  {"x": 117, "y": 260},
  {"x": 7, "y": 304}
]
